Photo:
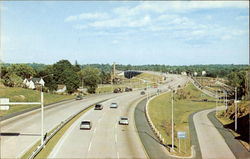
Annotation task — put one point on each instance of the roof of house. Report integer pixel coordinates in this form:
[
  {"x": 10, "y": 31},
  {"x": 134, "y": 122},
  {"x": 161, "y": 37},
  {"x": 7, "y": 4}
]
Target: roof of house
[{"x": 60, "y": 86}]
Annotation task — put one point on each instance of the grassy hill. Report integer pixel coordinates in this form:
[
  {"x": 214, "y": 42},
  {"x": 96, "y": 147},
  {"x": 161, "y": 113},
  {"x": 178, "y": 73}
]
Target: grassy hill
[{"x": 27, "y": 95}]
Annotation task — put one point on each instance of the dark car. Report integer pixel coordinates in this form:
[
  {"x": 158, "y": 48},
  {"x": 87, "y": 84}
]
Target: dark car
[
  {"x": 118, "y": 90},
  {"x": 142, "y": 92},
  {"x": 79, "y": 97},
  {"x": 127, "y": 89},
  {"x": 98, "y": 107}
]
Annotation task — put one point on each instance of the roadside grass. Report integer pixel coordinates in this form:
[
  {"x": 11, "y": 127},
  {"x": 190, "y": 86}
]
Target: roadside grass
[
  {"x": 160, "y": 113},
  {"x": 226, "y": 117},
  {"x": 44, "y": 153},
  {"x": 17, "y": 94}
]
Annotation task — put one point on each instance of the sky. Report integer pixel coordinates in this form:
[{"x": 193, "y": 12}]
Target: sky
[{"x": 127, "y": 32}]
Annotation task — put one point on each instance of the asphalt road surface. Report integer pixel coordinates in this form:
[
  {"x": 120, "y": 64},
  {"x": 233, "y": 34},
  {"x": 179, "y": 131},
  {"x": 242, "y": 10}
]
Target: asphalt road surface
[
  {"x": 212, "y": 144},
  {"x": 107, "y": 139},
  {"x": 22, "y": 132}
]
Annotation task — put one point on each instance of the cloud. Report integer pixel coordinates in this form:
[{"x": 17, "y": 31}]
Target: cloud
[
  {"x": 177, "y": 6},
  {"x": 84, "y": 16},
  {"x": 161, "y": 18}
]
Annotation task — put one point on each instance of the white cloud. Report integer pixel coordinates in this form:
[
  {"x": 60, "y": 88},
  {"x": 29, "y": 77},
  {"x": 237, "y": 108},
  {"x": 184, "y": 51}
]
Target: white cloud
[
  {"x": 86, "y": 16},
  {"x": 177, "y": 6}
]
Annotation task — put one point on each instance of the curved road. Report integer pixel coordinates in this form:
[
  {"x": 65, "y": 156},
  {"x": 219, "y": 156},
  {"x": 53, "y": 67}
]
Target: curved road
[
  {"x": 212, "y": 144},
  {"x": 23, "y": 131},
  {"x": 107, "y": 139}
]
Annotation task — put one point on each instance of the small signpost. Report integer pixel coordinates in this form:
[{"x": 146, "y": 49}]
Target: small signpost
[
  {"x": 4, "y": 107},
  {"x": 181, "y": 135}
]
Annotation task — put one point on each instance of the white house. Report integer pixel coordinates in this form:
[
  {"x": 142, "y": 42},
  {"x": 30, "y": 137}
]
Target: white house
[
  {"x": 203, "y": 73},
  {"x": 184, "y": 73},
  {"x": 195, "y": 73},
  {"x": 32, "y": 83},
  {"x": 61, "y": 88}
]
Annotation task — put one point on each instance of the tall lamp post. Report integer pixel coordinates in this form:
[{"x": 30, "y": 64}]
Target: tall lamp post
[
  {"x": 236, "y": 109},
  {"x": 42, "y": 110},
  {"x": 172, "y": 121}
]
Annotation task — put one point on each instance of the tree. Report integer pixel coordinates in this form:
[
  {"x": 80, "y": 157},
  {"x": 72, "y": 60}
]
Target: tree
[
  {"x": 64, "y": 73},
  {"x": 12, "y": 80},
  {"x": 91, "y": 78},
  {"x": 22, "y": 70}
]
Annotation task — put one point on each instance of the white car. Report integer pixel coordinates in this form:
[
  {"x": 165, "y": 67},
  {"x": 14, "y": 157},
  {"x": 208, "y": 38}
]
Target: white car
[
  {"x": 123, "y": 121},
  {"x": 113, "y": 105},
  {"x": 86, "y": 124}
]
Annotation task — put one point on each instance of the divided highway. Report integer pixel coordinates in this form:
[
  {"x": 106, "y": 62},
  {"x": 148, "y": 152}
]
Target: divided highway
[
  {"x": 22, "y": 132},
  {"x": 107, "y": 139}
]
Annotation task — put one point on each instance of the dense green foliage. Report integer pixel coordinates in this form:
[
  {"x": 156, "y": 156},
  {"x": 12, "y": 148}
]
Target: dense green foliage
[
  {"x": 71, "y": 75},
  {"x": 90, "y": 77}
]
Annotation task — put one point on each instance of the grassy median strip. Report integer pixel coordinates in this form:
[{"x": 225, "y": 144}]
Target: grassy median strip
[
  {"x": 44, "y": 153},
  {"x": 186, "y": 101}
]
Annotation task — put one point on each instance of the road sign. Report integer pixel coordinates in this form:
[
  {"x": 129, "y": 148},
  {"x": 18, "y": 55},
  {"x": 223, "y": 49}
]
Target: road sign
[
  {"x": 4, "y": 107},
  {"x": 181, "y": 134}
]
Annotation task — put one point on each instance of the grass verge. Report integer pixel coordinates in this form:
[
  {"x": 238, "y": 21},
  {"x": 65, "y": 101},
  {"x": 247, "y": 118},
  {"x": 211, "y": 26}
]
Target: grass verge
[
  {"x": 160, "y": 114},
  {"x": 44, "y": 153},
  {"x": 27, "y": 95}
]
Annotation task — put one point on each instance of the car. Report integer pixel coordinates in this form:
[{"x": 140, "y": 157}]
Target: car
[
  {"x": 98, "y": 107},
  {"x": 123, "y": 121},
  {"x": 142, "y": 92},
  {"x": 79, "y": 97},
  {"x": 127, "y": 89},
  {"x": 86, "y": 124},
  {"x": 113, "y": 105},
  {"x": 117, "y": 90}
]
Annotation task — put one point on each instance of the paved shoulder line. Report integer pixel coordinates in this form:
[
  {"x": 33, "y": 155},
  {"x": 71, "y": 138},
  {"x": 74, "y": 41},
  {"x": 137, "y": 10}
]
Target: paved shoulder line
[
  {"x": 193, "y": 136},
  {"x": 151, "y": 143},
  {"x": 236, "y": 147}
]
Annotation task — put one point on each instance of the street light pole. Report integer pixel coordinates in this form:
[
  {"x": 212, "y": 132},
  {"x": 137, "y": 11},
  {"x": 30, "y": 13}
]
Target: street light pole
[
  {"x": 42, "y": 110},
  {"x": 172, "y": 121},
  {"x": 42, "y": 115},
  {"x": 236, "y": 109}
]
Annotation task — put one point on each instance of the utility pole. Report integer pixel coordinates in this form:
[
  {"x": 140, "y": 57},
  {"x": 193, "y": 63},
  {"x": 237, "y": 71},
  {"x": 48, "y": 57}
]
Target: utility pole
[
  {"x": 172, "y": 120},
  {"x": 216, "y": 96},
  {"x": 236, "y": 109},
  {"x": 42, "y": 114}
]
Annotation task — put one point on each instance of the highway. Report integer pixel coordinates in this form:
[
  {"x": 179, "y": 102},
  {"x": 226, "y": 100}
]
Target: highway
[
  {"x": 107, "y": 139},
  {"x": 25, "y": 129}
]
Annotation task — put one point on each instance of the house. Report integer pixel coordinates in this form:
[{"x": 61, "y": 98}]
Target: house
[
  {"x": 32, "y": 83},
  {"x": 61, "y": 88},
  {"x": 203, "y": 73},
  {"x": 184, "y": 73},
  {"x": 195, "y": 73}
]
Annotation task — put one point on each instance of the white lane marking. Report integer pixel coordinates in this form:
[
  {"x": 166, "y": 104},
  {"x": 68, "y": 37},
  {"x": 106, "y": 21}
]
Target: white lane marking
[
  {"x": 95, "y": 130},
  {"x": 63, "y": 140},
  {"x": 89, "y": 146},
  {"x": 118, "y": 156},
  {"x": 115, "y": 138}
]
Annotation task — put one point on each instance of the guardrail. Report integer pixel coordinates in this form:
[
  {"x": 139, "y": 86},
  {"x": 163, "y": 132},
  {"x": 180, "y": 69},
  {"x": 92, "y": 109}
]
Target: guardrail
[
  {"x": 158, "y": 134},
  {"x": 60, "y": 126}
]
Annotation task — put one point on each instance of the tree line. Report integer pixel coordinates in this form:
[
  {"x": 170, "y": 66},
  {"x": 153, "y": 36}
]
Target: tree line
[{"x": 90, "y": 75}]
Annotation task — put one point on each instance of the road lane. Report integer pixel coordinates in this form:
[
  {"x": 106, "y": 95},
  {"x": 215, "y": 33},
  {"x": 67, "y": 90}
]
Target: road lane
[
  {"x": 28, "y": 127},
  {"x": 212, "y": 144},
  {"x": 107, "y": 139}
]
